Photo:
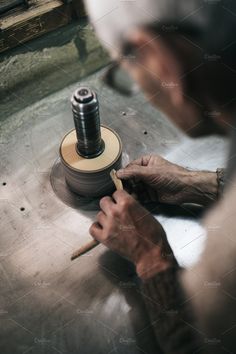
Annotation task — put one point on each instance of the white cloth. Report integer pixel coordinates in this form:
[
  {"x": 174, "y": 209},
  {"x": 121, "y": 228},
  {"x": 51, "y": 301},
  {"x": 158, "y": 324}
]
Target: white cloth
[{"x": 113, "y": 19}]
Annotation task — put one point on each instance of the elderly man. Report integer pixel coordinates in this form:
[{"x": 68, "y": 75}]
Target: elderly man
[{"x": 159, "y": 42}]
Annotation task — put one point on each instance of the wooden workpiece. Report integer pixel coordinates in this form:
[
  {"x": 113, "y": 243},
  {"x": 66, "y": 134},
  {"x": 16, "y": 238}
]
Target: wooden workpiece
[{"x": 91, "y": 177}]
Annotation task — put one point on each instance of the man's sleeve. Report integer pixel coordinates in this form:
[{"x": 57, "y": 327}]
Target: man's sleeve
[
  {"x": 171, "y": 314},
  {"x": 207, "y": 290},
  {"x": 211, "y": 283}
]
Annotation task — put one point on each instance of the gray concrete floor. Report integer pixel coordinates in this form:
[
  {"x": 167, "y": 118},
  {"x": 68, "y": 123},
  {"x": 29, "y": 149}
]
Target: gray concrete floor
[{"x": 49, "y": 304}]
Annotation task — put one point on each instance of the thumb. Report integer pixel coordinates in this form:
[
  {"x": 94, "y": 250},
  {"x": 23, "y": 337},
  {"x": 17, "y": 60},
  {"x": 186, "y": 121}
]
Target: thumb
[{"x": 132, "y": 171}]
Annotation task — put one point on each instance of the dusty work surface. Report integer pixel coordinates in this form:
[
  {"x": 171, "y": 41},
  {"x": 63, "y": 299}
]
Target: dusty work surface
[{"x": 49, "y": 304}]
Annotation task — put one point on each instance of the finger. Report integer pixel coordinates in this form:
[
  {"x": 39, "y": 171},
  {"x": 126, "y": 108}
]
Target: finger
[
  {"x": 131, "y": 171},
  {"x": 141, "y": 161},
  {"x": 133, "y": 166},
  {"x": 101, "y": 218},
  {"x": 121, "y": 195},
  {"x": 106, "y": 204},
  {"x": 95, "y": 231}
]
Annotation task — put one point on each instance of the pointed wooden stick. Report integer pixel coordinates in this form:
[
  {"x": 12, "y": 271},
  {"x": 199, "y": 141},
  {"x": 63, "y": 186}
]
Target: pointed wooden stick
[
  {"x": 90, "y": 245},
  {"x": 117, "y": 182},
  {"x": 84, "y": 249}
]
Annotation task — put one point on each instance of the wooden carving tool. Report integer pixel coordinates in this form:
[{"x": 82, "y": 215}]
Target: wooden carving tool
[{"x": 90, "y": 245}]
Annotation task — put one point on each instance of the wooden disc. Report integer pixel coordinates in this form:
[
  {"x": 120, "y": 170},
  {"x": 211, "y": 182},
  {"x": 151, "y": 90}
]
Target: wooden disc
[
  {"x": 91, "y": 177},
  {"x": 110, "y": 154}
]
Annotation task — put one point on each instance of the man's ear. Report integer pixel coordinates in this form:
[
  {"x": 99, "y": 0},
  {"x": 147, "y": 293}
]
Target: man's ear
[{"x": 156, "y": 57}]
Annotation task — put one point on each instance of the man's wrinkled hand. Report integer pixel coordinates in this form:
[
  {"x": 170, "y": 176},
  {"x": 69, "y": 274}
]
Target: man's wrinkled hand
[
  {"x": 155, "y": 179},
  {"x": 127, "y": 228}
]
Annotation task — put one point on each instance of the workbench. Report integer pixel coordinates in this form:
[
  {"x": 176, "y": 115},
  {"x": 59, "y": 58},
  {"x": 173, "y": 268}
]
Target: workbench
[{"x": 49, "y": 304}]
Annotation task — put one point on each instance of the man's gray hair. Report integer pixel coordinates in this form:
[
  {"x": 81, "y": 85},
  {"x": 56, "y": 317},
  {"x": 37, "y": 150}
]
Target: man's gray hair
[{"x": 214, "y": 20}]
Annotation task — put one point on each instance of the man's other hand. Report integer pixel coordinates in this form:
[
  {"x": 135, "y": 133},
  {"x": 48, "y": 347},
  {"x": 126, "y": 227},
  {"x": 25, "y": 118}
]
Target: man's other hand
[
  {"x": 127, "y": 228},
  {"x": 155, "y": 179}
]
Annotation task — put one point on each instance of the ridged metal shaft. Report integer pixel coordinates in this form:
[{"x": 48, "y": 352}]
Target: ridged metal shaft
[{"x": 85, "y": 108}]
